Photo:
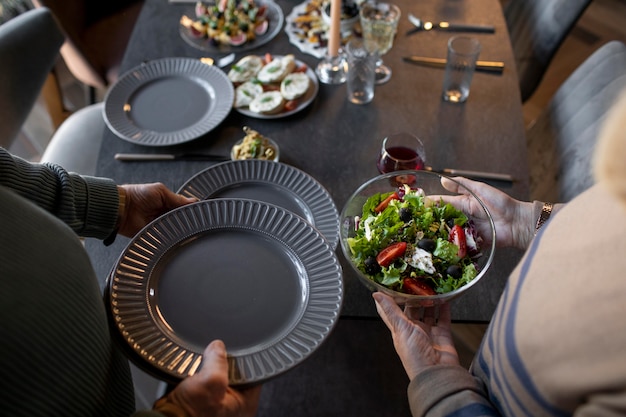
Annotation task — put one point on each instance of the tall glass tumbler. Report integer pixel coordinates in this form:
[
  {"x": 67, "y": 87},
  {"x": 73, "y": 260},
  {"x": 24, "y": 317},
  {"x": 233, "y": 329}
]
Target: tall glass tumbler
[
  {"x": 463, "y": 53},
  {"x": 361, "y": 72}
]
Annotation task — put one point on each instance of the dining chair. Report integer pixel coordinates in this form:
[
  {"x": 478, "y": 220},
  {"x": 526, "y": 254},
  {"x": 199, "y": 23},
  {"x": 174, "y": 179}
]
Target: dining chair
[
  {"x": 561, "y": 140},
  {"x": 537, "y": 29},
  {"x": 27, "y": 57},
  {"x": 96, "y": 37}
]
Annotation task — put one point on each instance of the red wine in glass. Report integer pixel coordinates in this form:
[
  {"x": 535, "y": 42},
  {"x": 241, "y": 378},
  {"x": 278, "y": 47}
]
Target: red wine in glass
[{"x": 399, "y": 158}]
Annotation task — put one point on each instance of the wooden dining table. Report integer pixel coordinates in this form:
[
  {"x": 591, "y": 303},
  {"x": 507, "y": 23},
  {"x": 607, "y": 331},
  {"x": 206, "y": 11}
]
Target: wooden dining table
[{"x": 355, "y": 371}]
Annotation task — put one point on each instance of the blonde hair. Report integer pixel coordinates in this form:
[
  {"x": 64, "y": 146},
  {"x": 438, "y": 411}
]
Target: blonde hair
[{"x": 609, "y": 162}]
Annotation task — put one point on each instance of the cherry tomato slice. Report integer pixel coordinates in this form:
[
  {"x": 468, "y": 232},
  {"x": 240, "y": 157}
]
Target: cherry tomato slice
[
  {"x": 417, "y": 287},
  {"x": 392, "y": 252},
  {"x": 291, "y": 105},
  {"x": 457, "y": 236},
  {"x": 383, "y": 204}
]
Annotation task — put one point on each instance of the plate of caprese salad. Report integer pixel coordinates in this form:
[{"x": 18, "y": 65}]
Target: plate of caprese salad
[{"x": 272, "y": 86}]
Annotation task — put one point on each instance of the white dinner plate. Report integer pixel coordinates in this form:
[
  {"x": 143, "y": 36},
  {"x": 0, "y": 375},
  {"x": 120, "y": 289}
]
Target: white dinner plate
[
  {"x": 271, "y": 182},
  {"x": 168, "y": 101},
  {"x": 275, "y": 20},
  {"x": 252, "y": 274},
  {"x": 303, "y": 101}
]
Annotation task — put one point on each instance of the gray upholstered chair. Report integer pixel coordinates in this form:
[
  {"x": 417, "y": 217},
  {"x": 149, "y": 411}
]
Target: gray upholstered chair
[
  {"x": 561, "y": 141},
  {"x": 26, "y": 59},
  {"x": 537, "y": 29}
]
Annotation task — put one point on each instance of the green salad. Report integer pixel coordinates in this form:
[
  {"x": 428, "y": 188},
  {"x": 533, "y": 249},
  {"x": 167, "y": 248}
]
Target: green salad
[{"x": 413, "y": 244}]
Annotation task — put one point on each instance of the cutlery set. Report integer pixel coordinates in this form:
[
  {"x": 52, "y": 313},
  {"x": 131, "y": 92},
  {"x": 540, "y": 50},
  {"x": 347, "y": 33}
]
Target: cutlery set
[{"x": 139, "y": 157}]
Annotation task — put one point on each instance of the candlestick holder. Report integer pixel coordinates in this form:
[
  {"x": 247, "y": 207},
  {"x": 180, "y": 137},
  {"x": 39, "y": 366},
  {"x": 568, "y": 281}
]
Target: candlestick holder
[{"x": 332, "y": 69}]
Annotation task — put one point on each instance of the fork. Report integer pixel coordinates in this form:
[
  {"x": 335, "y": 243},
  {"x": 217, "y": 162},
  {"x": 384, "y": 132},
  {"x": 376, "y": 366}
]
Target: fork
[{"x": 446, "y": 26}]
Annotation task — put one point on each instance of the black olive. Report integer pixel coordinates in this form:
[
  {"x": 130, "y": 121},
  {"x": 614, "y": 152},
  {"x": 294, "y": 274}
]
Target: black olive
[
  {"x": 450, "y": 223},
  {"x": 371, "y": 265},
  {"x": 455, "y": 271},
  {"x": 405, "y": 214},
  {"x": 427, "y": 244}
]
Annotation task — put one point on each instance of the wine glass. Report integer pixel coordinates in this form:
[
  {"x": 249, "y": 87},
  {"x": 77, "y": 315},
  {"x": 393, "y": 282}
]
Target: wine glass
[
  {"x": 401, "y": 151},
  {"x": 379, "y": 22}
]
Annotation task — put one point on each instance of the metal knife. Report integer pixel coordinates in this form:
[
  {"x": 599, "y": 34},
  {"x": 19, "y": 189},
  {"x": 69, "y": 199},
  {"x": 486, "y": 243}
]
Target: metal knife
[
  {"x": 481, "y": 175},
  {"x": 490, "y": 66},
  {"x": 169, "y": 157}
]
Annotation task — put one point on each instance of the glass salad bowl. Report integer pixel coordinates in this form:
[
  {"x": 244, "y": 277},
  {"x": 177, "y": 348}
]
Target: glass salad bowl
[{"x": 403, "y": 235}]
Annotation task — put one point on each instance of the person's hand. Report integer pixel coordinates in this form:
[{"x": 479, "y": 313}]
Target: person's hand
[
  {"x": 513, "y": 218},
  {"x": 146, "y": 202},
  {"x": 419, "y": 343},
  {"x": 207, "y": 394}
]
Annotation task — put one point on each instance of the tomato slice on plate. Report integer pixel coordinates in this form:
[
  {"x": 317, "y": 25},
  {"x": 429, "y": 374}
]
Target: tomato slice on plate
[{"x": 392, "y": 252}]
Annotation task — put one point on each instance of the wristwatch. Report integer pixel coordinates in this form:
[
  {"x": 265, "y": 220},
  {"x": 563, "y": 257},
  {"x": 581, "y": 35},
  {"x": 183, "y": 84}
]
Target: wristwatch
[{"x": 546, "y": 211}]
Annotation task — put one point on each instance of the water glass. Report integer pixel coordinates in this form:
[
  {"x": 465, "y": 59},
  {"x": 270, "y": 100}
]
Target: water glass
[
  {"x": 401, "y": 151},
  {"x": 361, "y": 72},
  {"x": 463, "y": 53}
]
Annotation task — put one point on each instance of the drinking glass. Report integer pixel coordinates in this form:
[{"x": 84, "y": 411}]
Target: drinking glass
[
  {"x": 401, "y": 151},
  {"x": 379, "y": 22}
]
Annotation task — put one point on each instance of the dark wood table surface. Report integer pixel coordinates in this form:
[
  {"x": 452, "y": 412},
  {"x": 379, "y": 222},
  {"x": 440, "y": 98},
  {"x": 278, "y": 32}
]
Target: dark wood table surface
[{"x": 337, "y": 142}]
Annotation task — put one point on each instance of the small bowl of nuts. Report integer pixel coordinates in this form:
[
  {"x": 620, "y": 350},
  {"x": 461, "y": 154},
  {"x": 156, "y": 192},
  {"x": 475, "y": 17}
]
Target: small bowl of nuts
[{"x": 254, "y": 146}]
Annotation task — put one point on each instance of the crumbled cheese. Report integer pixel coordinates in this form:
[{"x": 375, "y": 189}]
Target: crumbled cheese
[{"x": 421, "y": 259}]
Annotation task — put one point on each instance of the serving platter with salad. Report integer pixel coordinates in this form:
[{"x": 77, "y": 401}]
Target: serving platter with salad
[{"x": 272, "y": 86}]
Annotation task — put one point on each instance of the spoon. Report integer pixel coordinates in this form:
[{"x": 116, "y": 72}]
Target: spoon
[{"x": 446, "y": 26}]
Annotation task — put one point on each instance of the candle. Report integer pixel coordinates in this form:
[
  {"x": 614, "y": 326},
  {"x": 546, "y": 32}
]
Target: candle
[{"x": 335, "y": 34}]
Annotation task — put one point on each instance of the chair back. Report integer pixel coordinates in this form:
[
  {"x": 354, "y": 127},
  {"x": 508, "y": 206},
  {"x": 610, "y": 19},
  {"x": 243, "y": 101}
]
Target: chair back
[
  {"x": 537, "y": 29},
  {"x": 97, "y": 33},
  {"x": 29, "y": 47},
  {"x": 562, "y": 139}
]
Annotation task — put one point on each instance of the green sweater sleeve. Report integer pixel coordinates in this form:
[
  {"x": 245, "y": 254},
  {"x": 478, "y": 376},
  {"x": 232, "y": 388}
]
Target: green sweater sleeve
[{"x": 89, "y": 205}]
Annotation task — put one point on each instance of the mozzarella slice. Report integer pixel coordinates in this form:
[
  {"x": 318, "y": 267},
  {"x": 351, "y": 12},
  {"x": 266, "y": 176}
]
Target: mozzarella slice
[
  {"x": 269, "y": 102},
  {"x": 276, "y": 70},
  {"x": 246, "y": 92},
  {"x": 245, "y": 69},
  {"x": 294, "y": 85}
]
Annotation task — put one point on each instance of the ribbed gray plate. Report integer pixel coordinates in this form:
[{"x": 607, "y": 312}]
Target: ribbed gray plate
[
  {"x": 168, "y": 101},
  {"x": 250, "y": 273},
  {"x": 271, "y": 182}
]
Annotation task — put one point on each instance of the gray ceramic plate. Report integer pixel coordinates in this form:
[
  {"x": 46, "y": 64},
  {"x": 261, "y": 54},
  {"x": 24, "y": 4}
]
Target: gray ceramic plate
[
  {"x": 275, "y": 19},
  {"x": 252, "y": 274},
  {"x": 271, "y": 182},
  {"x": 168, "y": 101}
]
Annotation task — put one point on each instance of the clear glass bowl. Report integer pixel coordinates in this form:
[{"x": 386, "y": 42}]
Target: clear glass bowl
[{"x": 430, "y": 182}]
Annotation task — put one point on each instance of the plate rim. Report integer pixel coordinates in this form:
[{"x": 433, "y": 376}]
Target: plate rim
[
  {"x": 171, "y": 360},
  {"x": 278, "y": 173},
  {"x": 226, "y": 49},
  {"x": 142, "y": 74}
]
